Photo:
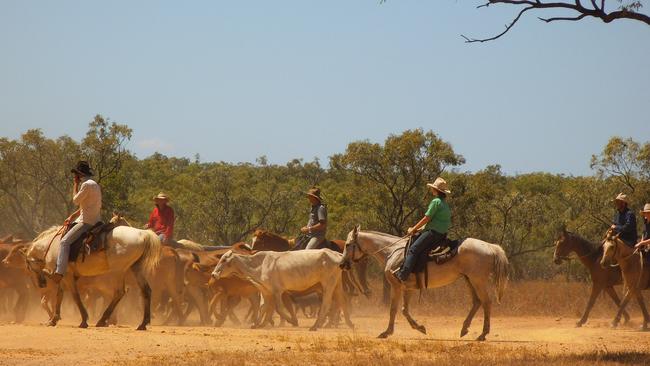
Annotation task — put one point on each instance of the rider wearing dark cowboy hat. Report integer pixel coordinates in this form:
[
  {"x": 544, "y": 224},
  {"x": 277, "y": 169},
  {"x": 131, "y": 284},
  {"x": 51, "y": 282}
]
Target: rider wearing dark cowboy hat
[{"x": 86, "y": 194}]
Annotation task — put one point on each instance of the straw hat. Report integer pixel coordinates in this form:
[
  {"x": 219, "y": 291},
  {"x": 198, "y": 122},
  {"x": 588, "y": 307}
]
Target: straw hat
[
  {"x": 621, "y": 197},
  {"x": 440, "y": 185},
  {"x": 161, "y": 196},
  {"x": 646, "y": 208},
  {"x": 314, "y": 192}
]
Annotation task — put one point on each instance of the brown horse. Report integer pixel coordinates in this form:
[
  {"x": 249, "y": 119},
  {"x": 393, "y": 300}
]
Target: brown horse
[
  {"x": 266, "y": 240},
  {"x": 636, "y": 274},
  {"x": 589, "y": 255}
]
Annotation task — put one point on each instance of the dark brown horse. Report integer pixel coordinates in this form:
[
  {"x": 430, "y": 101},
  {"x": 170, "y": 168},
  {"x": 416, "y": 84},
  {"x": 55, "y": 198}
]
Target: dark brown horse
[
  {"x": 589, "y": 255},
  {"x": 266, "y": 240}
]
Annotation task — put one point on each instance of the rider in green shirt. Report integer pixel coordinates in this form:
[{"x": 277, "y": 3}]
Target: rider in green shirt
[{"x": 436, "y": 223}]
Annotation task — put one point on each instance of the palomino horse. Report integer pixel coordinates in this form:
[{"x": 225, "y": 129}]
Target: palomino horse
[
  {"x": 635, "y": 273},
  {"x": 127, "y": 249},
  {"x": 589, "y": 255},
  {"x": 476, "y": 261}
]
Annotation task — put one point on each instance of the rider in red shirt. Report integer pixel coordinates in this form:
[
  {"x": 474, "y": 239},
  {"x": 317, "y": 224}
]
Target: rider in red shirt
[{"x": 161, "y": 220}]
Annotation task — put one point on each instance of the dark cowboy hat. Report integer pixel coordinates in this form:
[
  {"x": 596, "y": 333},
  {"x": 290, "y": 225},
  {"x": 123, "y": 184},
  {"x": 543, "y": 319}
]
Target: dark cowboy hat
[
  {"x": 83, "y": 168},
  {"x": 314, "y": 192}
]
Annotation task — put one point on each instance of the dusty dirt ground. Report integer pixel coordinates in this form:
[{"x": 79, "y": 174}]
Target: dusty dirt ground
[{"x": 513, "y": 341}]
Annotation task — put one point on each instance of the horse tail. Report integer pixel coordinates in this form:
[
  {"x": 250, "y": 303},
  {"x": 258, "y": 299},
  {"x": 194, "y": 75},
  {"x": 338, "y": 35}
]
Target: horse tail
[
  {"x": 500, "y": 271},
  {"x": 152, "y": 252}
]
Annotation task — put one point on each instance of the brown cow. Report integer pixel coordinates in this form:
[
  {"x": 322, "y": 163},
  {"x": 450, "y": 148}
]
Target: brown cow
[{"x": 14, "y": 279}]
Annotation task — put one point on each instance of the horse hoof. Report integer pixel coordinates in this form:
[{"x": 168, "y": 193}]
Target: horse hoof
[
  {"x": 643, "y": 328},
  {"x": 481, "y": 338},
  {"x": 51, "y": 323},
  {"x": 83, "y": 325},
  {"x": 313, "y": 329},
  {"x": 579, "y": 324},
  {"x": 614, "y": 325},
  {"x": 383, "y": 335},
  {"x": 101, "y": 325},
  {"x": 422, "y": 329},
  {"x": 141, "y": 327}
]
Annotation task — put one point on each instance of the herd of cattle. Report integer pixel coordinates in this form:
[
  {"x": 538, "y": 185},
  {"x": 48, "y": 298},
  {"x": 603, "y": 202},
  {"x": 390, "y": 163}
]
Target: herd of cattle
[{"x": 189, "y": 279}]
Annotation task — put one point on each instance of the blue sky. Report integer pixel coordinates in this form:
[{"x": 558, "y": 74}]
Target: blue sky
[{"x": 236, "y": 80}]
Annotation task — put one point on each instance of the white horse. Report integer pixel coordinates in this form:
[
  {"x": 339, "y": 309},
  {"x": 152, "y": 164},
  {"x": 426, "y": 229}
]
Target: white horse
[
  {"x": 476, "y": 261},
  {"x": 127, "y": 249}
]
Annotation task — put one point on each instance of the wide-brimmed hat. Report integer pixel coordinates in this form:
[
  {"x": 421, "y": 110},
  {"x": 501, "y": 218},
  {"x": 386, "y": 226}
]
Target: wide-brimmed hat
[
  {"x": 439, "y": 185},
  {"x": 621, "y": 197},
  {"x": 646, "y": 208},
  {"x": 83, "y": 168},
  {"x": 161, "y": 196},
  {"x": 314, "y": 192}
]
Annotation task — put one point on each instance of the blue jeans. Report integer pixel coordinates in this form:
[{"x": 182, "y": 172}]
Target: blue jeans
[
  {"x": 424, "y": 243},
  {"x": 64, "y": 248}
]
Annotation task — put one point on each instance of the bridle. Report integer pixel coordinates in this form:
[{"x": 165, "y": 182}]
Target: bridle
[
  {"x": 569, "y": 257},
  {"x": 364, "y": 254}
]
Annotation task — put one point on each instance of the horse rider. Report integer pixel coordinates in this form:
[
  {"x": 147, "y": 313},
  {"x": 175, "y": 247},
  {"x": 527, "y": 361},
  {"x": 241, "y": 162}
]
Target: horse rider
[
  {"x": 624, "y": 221},
  {"x": 645, "y": 239},
  {"x": 161, "y": 220},
  {"x": 436, "y": 223},
  {"x": 317, "y": 224},
  {"x": 86, "y": 194}
]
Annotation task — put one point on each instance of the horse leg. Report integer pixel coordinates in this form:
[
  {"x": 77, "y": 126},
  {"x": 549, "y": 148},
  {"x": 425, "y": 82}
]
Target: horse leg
[
  {"x": 77, "y": 299},
  {"x": 476, "y": 303},
  {"x": 117, "y": 296},
  {"x": 395, "y": 296},
  {"x": 595, "y": 291},
  {"x": 57, "y": 307},
  {"x": 145, "y": 290},
  {"x": 612, "y": 293},
  {"x": 644, "y": 310},
  {"x": 621, "y": 308},
  {"x": 405, "y": 311},
  {"x": 481, "y": 291}
]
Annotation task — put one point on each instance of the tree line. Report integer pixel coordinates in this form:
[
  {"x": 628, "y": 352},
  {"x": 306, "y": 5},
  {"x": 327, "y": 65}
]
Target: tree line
[{"x": 378, "y": 185}]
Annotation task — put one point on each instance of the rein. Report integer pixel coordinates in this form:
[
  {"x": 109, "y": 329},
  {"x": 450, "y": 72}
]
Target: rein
[
  {"x": 354, "y": 248},
  {"x": 49, "y": 245}
]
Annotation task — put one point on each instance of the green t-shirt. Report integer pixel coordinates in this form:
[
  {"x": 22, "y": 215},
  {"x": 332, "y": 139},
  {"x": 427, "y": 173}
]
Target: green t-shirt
[{"x": 439, "y": 216}]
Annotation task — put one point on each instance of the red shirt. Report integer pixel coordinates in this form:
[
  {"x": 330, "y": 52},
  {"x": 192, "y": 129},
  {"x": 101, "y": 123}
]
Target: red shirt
[{"x": 161, "y": 221}]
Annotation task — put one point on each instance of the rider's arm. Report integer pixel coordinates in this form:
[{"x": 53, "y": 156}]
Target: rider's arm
[
  {"x": 79, "y": 193},
  {"x": 321, "y": 225}
]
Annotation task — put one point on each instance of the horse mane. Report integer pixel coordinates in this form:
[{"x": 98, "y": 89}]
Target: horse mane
[
  {"x": 390, "y": 236},
  {"x": 592, "y": 247},
  {"x": 47, "y": 232},
  {"x": 260, "y": 233}
]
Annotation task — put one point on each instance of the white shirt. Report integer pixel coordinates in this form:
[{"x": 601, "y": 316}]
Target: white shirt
[{"x": 89, "y": 200}]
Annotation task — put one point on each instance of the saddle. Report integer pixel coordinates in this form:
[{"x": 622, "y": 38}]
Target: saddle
[
  {"x": 91, "y": 241},
  {"x": 302, "y": 240},
  {"x": 442, "y": 253}
]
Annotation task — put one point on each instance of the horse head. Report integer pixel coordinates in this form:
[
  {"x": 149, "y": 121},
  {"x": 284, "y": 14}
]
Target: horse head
[
  {"x": 563, "y": 247},
  {"x": 351, "y": 251},
  {"x": 610, "y": 248}
]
